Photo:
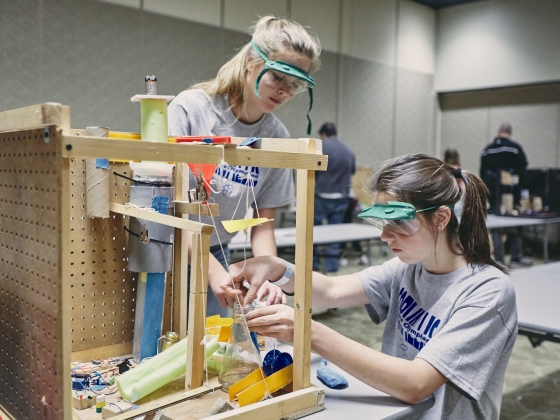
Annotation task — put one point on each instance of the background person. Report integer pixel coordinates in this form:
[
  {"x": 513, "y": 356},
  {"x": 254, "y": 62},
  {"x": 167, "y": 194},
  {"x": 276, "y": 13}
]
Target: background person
[
  {"x": 451, "y": 157},
  {"x": 504, "y": 154},
  {"x": 450, "y": 309},
  {"x": 239, "y": 102},
  {"x": 332, "y": 188}
]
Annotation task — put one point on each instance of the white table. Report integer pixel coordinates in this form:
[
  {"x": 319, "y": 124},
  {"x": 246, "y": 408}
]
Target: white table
[
  {"x": 537, "y": 290},
  {"x": 322, "y": 235},
  {"x": 360, "y": 401},
  {"x": 495, "y": 222}
]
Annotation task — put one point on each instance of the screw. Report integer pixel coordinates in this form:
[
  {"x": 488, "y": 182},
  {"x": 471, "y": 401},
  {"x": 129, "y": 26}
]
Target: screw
[{"x": 68, "y": 147}]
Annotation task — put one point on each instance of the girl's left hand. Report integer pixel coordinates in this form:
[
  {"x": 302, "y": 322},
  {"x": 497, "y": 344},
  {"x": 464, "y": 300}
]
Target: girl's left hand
[
  {"x": 275, "y": 321},
  {"x": 274, "y": 294}
]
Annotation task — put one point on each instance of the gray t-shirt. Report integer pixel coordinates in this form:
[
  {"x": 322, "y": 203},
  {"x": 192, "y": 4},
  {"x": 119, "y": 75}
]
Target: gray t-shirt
[
  {"x": 195, "y": 113},
  {"x": 463, "y": 323}
]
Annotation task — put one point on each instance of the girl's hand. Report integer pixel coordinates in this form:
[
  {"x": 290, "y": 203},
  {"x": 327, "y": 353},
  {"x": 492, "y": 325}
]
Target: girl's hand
[
  {"x": 224, "y": 298},
  {"x": 256, "y": 271},
  {"x": 274, "y": 294},
  {"x": 275, "y": 321}
]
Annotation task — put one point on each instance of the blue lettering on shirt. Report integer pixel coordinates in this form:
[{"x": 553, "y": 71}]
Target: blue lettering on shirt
[
  {"x": 234, "y": 177},
  {"x": 416, "y": 325}
]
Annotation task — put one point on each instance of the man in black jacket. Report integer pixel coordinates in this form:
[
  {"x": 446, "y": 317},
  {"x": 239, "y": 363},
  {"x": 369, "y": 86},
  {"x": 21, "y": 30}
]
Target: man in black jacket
[{"x": 504, "y": 155}]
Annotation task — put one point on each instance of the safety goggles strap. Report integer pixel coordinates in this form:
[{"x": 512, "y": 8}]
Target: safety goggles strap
[{"x": 309, "y": 110}]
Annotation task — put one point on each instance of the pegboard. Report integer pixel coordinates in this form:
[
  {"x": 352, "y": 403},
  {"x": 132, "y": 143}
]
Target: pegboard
[
  {"x": 103, "y": 291},
  {"x": 30, "y": 276}
]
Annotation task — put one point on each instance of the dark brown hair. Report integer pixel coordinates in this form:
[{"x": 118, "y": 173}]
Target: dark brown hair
[
  {"x": 451, "y": 157},
  {"x": 425, "y": 181}
]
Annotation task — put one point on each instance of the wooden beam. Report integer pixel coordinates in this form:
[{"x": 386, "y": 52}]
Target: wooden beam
[
  {"x": 204, "y": 209},
  {"x": 94, "y": 147},
  {"x": 35, "y": 116},
  {"x": 304, "y": 264},
  {"x": 290, "y": 406},
  {"x": 104, "y": 352},
  {"x": 158, "y": 404},
  {"x": 200, "y": 252},
  {"x": 65, "y": 292},
  {"x": 181, "y": 261},
  {"x": 164, "y": 219}
]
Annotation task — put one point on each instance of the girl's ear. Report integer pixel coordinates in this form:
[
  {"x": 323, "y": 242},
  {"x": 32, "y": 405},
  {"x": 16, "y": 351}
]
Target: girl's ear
[{"x": 443, "y": 215}]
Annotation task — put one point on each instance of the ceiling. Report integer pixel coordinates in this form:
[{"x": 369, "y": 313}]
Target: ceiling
[{"x": 440, "y": 4}]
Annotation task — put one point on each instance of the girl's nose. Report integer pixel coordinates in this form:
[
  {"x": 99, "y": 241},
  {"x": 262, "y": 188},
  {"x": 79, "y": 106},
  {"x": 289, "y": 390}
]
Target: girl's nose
[{"x": 387, "y": 234}]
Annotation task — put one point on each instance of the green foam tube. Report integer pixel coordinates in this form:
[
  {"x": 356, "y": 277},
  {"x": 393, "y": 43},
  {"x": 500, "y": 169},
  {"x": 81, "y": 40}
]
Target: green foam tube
[
  {"x": 159, "y": 370},
  {"x": 154, "y": 373},
  {"x": 153, "y": 116}
]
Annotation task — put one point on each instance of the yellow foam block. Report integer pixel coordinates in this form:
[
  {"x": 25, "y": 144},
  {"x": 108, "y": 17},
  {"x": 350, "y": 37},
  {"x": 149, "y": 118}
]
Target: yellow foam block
[
  {"x": 245, "y": 383},
  {"x": 219, "y": 322},
  {"x": 272, "y": 383},
  {"x": 236, "y": 225}
]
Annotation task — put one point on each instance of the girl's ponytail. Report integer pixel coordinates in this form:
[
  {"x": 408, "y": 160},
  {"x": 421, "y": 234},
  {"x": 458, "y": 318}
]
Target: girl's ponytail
[{"x": 473, "y": 234}]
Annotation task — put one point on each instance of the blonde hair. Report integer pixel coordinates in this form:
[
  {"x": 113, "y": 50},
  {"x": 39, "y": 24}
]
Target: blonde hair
[{"x": 274, "y": 37}]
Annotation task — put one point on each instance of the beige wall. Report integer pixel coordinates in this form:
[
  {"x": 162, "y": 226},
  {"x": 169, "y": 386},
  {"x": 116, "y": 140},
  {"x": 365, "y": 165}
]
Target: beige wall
[{"x": 498, "y": 43}]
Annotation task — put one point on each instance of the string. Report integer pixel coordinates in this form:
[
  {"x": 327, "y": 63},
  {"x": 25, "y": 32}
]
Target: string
[{"x": 250, "y": 183}]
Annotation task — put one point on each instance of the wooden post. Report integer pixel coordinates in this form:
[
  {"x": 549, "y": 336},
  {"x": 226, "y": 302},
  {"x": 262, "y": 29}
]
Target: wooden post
[
  {"x": 181, "y": 259},
  {"x": 304, "y": 263},
  {"x": 63, "y": 363},
  {"x": 197, "y": 306}
]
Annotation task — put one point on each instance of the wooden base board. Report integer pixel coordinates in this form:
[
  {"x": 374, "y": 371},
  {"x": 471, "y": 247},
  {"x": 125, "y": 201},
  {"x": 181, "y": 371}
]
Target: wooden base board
[
  {"x": 289, "y": 406},
  {"x": 105, "y": 352}
]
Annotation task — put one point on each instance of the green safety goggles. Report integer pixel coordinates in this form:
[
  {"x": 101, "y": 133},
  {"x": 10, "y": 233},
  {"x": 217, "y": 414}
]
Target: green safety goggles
[
  {"x": 277, "y": 74},
  {"x": 399, "y": 217}
]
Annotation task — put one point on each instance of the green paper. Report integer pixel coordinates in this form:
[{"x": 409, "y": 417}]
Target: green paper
[{"x": 153, "y": 115}]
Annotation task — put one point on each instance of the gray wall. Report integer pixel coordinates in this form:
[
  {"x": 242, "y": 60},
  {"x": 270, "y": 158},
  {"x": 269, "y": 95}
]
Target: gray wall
[{"x": 93, "y": 56}]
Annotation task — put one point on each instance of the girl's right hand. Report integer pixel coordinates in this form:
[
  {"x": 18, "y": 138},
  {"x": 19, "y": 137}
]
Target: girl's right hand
[{"x": 256, "y": 271}]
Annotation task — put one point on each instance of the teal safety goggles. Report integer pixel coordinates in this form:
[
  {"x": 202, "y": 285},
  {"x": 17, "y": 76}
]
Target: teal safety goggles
[
  {"x": 277, "y": 74},
  {"x": 398, "y": 216}
]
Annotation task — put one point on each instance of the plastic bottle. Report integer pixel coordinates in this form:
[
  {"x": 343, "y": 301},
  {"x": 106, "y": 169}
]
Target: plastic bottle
[
  {"x": 99, "y": 403},
  {"x": 242, "y": 356}
]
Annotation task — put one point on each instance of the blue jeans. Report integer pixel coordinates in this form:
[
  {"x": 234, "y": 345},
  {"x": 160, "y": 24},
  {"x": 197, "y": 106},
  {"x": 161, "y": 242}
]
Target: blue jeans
[
  {"x": 213, "y": 306},
  {"x": 332, "y": 210}
]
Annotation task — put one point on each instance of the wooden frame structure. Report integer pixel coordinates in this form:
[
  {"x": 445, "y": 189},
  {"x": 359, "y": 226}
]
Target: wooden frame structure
[{"x": 60, "y": 270}]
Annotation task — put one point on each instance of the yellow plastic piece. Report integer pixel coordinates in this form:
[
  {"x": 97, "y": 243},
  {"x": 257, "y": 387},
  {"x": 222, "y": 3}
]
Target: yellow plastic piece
[
  {"x": 213, "y": 330},
  {"x": 236, "y": 225},
  {"x": 219, "y": 322},
  {"x": 245, "y": 383},
  {"x": 258, "y": 391},
  {"x": 124, "y": 136},
  {"x": 224, "y": 334}
]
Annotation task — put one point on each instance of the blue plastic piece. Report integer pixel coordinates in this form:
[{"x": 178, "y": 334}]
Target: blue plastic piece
[
  {"x": 102, "y": 163},
  {"x": 275, "y": 361},
  {"x": 282, "y": 361},
  {"x": 160, "y": 204},
  {"x": 153, "y": 314},
  {"x": 249, "y": 141},
  {"x": 207, "y": 140},
  {"x": 330, "y": 378},
  {"x": 267, "y": 361},
  {"x": 78, "y": 384}
]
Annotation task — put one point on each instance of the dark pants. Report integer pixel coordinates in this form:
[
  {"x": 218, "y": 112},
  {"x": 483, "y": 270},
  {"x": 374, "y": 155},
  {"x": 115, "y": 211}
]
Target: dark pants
[
  {"x": 516, "y": 249},
  {"x": 213, "y": 306},
  {"x": 331, "y": 210}
]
